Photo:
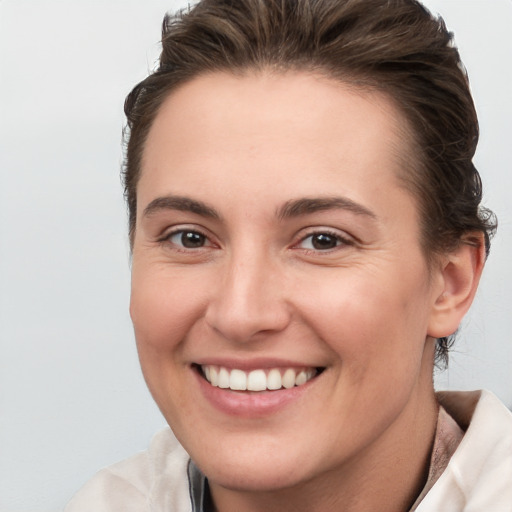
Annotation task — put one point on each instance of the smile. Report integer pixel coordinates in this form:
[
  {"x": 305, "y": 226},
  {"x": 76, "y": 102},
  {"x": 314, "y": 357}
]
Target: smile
[{"x": 257, "y": 380}]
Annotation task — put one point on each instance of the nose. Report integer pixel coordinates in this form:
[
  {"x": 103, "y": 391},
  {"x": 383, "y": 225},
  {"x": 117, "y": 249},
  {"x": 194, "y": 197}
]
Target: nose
[{"x": 249, "y": 300}]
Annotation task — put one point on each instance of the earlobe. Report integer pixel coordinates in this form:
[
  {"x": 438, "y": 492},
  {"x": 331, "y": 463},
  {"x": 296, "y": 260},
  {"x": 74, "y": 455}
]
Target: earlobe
[{"x": 460, "y": 275}]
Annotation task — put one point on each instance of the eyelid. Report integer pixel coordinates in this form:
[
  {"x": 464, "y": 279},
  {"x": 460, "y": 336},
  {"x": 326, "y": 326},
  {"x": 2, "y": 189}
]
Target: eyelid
[
  {"x": 166, "y": 236},
  {"x": 341, "y": 236}
]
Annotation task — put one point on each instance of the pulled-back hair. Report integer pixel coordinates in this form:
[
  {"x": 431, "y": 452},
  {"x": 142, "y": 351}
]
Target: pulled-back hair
[{"x": 395, "y": 47}]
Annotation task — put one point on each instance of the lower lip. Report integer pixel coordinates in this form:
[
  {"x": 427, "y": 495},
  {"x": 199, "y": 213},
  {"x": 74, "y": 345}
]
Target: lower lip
[{"x": 251, "y": 404}]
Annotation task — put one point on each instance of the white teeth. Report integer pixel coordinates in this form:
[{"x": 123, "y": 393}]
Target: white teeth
[
  {"x": 289, "y": 378},
  {"x": 223, "y": 378},
  {"x": 274, "y": 379},
  {"x": 256, "y": 380},
  {"x": 237, "y": 380},
  {"x": 301, "y": 378},
  {"x": 213, "y": 378}
]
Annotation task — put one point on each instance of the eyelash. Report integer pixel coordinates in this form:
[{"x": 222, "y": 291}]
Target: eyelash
[
  {"x": 339, "y": 240},
  {"x": 167, "y": 239}
]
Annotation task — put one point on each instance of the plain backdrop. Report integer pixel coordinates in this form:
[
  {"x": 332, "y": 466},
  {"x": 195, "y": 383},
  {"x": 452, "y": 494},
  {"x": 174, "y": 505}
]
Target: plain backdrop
[{"x": 72, "y": 398}]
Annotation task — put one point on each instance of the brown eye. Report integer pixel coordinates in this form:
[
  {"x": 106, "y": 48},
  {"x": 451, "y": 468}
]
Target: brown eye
[
  {"x": 321, "y": 241},
  {"x": 188, "y": 239},
  {"x": 324, "y": 241}
]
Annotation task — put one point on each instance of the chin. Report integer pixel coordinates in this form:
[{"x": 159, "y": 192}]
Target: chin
[
  {"x": 248, "y": 478},
  {"x": 259, "y": 468}
]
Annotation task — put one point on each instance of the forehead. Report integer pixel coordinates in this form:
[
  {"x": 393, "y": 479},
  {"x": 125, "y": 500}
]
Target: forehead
[{"x": 282, "y": 129}]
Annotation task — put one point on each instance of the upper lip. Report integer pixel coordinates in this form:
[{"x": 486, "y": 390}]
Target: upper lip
[{"x": 255, "y": 363}]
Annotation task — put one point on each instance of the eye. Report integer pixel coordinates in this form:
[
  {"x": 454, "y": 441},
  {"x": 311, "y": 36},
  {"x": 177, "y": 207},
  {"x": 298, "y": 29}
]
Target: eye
[
  {"x": 322, "y": 241},
  {"x": 188, "y": 239}
]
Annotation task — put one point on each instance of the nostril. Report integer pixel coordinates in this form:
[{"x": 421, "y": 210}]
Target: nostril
[{"x": 241, "y": 324}]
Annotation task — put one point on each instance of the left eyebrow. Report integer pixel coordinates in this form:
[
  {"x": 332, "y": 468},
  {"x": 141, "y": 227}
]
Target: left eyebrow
[
  {"x": 307, "y": 205},
  {"x": 180, "y": 203}
]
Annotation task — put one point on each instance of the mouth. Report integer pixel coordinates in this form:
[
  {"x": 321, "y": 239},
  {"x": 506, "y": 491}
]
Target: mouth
[{"x": 271, "y": 379}]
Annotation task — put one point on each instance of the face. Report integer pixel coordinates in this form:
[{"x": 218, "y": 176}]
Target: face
[{"x": 275, "y": 250}]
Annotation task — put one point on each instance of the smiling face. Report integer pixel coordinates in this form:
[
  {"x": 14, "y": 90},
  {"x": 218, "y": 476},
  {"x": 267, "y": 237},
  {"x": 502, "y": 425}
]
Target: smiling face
[{"x": 276, "y": 249}]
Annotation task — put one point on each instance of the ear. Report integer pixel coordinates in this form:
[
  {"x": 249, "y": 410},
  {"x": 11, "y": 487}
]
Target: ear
[{"x": 459, "y": 274}]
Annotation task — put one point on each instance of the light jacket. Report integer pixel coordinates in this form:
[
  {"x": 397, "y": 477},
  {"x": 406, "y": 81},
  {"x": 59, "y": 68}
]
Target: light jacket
[{"x": 478, "y": 477}]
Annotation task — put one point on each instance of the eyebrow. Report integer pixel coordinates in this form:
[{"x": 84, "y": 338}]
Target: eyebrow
[
  {"x": 304, "y": 206},
  {"x": 292, "y": 208},
  {"x": 184, "y": 204}
]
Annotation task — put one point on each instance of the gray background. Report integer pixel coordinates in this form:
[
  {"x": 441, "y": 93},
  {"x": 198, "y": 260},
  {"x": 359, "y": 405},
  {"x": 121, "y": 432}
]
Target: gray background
[{"x": 72, "y": 397}]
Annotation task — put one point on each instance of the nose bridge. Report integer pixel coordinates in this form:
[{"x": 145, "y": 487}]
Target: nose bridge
[{"x": 249, "y": 298}]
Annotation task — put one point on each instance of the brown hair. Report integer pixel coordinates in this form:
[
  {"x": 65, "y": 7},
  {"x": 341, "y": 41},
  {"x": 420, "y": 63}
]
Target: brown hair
[{"x": 393, "y": 46}]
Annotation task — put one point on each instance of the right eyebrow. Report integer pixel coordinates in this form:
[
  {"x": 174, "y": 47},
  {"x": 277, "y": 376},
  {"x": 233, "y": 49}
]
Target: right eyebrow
[
  {"x": 180, "y": 203},
  {"x": 307, "y": 205}
]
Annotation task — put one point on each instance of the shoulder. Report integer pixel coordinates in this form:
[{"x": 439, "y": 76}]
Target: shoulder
[
  {"x": 125, "y": 484},
  {"x": 479, "y": 474},
  {"x": 154, "y": 480}
]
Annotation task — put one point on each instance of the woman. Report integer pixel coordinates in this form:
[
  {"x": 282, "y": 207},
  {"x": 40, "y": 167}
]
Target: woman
[{"x": 307, "y": 234}]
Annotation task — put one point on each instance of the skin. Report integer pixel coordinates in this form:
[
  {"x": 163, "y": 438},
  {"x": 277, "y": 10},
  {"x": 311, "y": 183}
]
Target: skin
[{"x": 257, "y": 291}]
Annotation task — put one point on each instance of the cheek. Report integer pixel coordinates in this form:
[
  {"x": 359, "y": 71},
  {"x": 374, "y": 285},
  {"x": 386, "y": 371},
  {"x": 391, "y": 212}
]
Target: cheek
[
  {"x": 369, "y": 319},
  {"x": 163, "y": 309},
  {"x": 163, "y": 312}
]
